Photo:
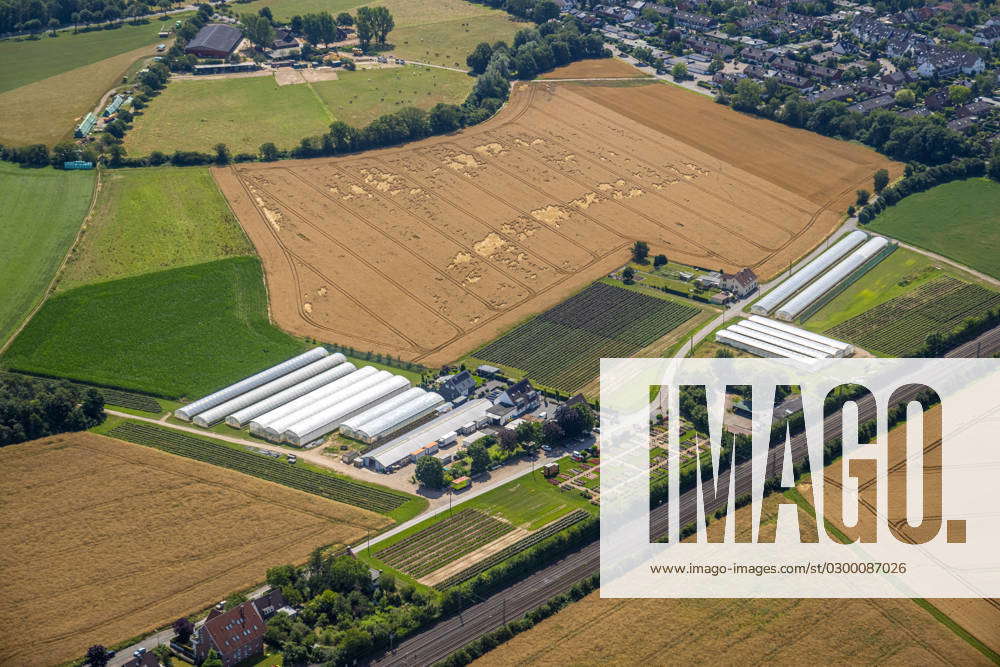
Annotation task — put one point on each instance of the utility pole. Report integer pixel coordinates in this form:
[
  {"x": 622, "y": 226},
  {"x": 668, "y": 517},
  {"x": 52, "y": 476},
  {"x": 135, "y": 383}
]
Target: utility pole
[
  {"x": 369, "y": 542},
  {"x": 504, "y": 607}
]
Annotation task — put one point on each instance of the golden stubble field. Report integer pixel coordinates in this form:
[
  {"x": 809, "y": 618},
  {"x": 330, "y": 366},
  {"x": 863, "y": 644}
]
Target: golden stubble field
[
  {"x": 428, "y": 250},
  {"x": 597, "y": 631},
  {"x": 103, "y": 540},
  {"x": 980, "y": 617}
]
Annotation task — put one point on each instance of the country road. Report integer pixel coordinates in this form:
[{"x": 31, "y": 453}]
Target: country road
[{"x": 453, "y": 633}]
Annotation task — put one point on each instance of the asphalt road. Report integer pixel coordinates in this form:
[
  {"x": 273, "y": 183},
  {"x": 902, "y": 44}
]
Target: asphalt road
[{"x": 453, "y": 633}]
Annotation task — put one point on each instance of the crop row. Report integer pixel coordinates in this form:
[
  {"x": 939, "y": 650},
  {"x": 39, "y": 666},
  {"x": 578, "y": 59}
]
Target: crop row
[
  {"x": 263, "y": 467},
  {"x": 117, "y": 397},
  {"x": 900, "y": 326},
  {"x": 425, "y": 553},
  {"x": 562, "y": 348},
  {"x": 523, "y": 544},
  {"x": 432, "y": 534}
]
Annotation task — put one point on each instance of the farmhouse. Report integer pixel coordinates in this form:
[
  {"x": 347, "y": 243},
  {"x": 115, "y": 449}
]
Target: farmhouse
[
  {"x": 741, "y": 283},
  {"x": 455, "y": 386},
  {"x": 214, "y": 41},
  {"x": 235, "y": 635},
  {"x": 518, "y": 399}
]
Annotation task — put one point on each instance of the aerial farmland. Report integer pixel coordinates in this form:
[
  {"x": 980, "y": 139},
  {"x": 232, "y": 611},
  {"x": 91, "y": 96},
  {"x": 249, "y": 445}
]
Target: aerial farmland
[{"x": 427, "y": 251}]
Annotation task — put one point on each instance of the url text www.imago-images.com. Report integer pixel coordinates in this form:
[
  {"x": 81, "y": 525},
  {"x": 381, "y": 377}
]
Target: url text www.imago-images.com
[{"x": 880, "y": 475}]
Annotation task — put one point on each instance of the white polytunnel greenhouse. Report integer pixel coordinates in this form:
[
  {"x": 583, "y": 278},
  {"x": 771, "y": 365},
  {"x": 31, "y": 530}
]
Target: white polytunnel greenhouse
[
  {"x": 325, "y": 421},
  {"x": 807, "y": 273},
  {"x": 258, "y": 424},
  {"x": 843, "y": 349},
  {"x": 241, "y": 418},
  {"x": 769, "y": 338},
  {"x": 188, "y": 411},
  {"x": 349, "y": 426},
  {"x": 386, "y": 425},
  {"x": 220, "y": 412},
  {"x": 832, "y": 278},
  {"x": 276, "y": 428}
]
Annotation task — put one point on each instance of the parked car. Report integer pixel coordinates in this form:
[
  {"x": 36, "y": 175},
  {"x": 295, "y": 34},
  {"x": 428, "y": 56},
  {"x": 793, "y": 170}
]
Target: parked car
[
  {"x": 139, "y": 652},
  {"x": 546, "y": 448},
  {"x": 292, "y": 458}
]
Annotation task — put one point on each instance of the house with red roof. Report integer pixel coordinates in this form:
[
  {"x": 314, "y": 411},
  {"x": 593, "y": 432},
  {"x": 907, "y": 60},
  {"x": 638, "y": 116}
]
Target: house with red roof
[{"x": 235, "y": 635}]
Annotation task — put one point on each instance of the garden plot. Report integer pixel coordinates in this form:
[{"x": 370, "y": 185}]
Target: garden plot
[{"x": 428, "y": 250}]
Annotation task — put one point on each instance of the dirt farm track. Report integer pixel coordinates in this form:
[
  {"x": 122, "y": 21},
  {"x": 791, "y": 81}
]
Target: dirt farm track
[{"x": 428, "y": 250}]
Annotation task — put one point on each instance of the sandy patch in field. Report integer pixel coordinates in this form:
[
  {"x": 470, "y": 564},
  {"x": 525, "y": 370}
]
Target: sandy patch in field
[
  {"x": 103, "y": 540},
  {"x": 474, "y": 557},
  {"x": 600, "y": 68},
  {"x": 430, "y": 249}
]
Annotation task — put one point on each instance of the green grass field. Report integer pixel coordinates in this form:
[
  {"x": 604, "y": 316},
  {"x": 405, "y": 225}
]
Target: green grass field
[
  {"x": 361, "y": 96},
  {"x": 242, "y": 113},
  {"x": 899, "y": 273},
  {"x": 440, "y": 32},
  {"x": 182, "y": 332},
  {"x": 148, "y": 220},
  {"x": 28, "y": 61},
  {"x": 43, "y": 211},
  {"x": 246, "y": 112},
  {"x": 960, "y": 220}
]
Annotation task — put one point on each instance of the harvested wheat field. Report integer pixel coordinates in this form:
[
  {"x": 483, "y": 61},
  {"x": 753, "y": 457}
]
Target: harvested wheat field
[
  {"x": 980, "y": 617},
  {"x": 596, "y": 68},
  {"x": 596, "y": 631},
  {"x": 428, "y": 250},
  {"x": 102, "y": 540}
]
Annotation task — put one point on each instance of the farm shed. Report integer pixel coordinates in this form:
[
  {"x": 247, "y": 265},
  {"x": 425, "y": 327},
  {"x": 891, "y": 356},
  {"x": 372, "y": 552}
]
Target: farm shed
[
  {"x": 834, "y": 277},
  {"x": 807, "y": 273},
  {"x": 85, "y": 126},
  {"x": 399, "y": 449},
  {"x": 277, "y": 427},
  {"x": 767, "y": 338},
  {"x": 242, "y": 417},
  {"x": 214, "y": 41},
  {"x": 351, "y": 426},
  {"x": 258, "y": 424},
  {"x": 386, "y": 425},
  {"x": 328, "y": 420},
  {"x": 188, "y": 412},
  {"x": 220, "y": 412}
]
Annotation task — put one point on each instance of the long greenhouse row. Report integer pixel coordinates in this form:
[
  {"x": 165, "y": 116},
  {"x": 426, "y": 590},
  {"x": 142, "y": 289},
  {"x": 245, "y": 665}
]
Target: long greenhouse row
[
  {"x": 822, "y": 278},
  {"x": 305, "y": 398},
  {"x": 769, "y": 338}
]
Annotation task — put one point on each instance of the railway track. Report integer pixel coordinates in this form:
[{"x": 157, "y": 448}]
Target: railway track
[{"x": 453, "y": 633}]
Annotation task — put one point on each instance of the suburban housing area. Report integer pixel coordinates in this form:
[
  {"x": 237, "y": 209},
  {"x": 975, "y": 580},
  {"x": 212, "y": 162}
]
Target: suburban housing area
[{"x": 304, "y": 304}]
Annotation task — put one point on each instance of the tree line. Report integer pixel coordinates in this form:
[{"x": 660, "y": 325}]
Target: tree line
[
  {"x": 926, "y": 140},
  {"x": 36, "y": 16},
  {"x": 31, "y": 409},
  {"x": 919, "y": 180}
]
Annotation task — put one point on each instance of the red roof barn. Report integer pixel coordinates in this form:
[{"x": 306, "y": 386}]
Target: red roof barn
[{"x": 235, "y": 635}]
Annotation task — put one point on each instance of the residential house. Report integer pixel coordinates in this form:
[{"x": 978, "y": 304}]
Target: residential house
[
  {"x": 147, "y": 659},
  {"x": 271, "y": 603},
  {"x": 974, "y": 109},
  {"x": 938, "y": 61},
  {"x": 937, "y": 100},
  {"x": 520, "y": 397},
  {"x": 834, "y": 94},
  {"x": 741, "y": 283},
  {"x": 709, "y": 47},
  {"x": 694, "y": 21},
  {"x": 455, "y": 386},
  {"x": 756, "y": 56},
  {"x": 795, "y": 81},
  {"x": 987, "y": 36},
  {"x": 962, "y": 124},
  {"x": 880, "y": 102},
  {"x": 235, "y": 635},
  {"x": 875, "y": 87}
]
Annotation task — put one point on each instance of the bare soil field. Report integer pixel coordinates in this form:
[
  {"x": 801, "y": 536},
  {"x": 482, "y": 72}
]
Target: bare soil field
[
  {"x": 980, "y": 617},
  {"x": 103, "y": 539},
  {"x": 597, "y": 631},
  {"x": 598, "y": 68},
  {"x": 428, "y": 250}
]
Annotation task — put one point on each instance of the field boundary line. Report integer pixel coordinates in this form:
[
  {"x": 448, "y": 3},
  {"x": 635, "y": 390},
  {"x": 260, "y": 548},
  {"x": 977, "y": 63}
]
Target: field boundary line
[
  {"x": 943, "y": 258},
  {"x": 59, "y": 270},
  {"x": 322, "y": 104}
]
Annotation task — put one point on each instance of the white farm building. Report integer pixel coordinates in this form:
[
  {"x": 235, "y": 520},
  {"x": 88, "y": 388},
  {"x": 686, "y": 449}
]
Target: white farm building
[
  {"x": 769, "y": 338},
  {"x": 220, "y": 412},
  {"x": 808, "y": 273},
  {"x": 390, "y": 417},
  {"x": 189, "y": 411},
  {"x": 330, "y": 417},
  {"x": 465, "y": 418},
  {"x": 872, "y": 251}
]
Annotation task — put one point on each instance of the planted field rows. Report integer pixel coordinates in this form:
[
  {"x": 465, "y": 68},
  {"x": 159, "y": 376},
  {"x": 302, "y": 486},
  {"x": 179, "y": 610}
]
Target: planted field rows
[
  {"x": 556, "y": 526},
  {"x": 562, "y": 347},
  {"x": 116, "y": 397},
  {"x": 267, "y": 468},
  {"x": 444, "y": 542},
  {"x": 900, "y": 326}
]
